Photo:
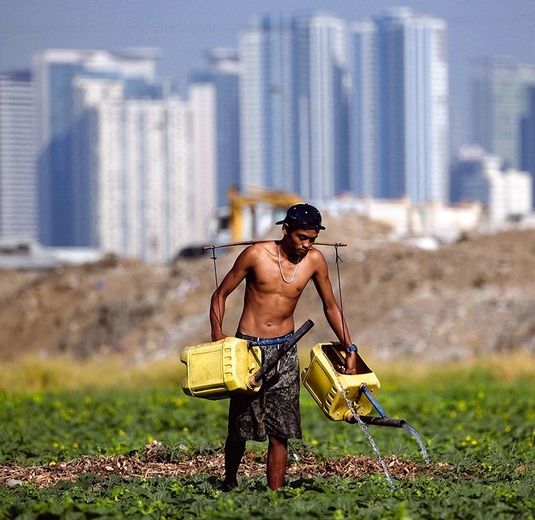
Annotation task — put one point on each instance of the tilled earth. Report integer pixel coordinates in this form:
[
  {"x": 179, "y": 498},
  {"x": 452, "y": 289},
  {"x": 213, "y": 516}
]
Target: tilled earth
[{"x": 211, "y": 465}]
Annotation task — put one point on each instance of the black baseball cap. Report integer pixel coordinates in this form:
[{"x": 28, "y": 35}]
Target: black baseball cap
[{"x": 303, "y": 216}]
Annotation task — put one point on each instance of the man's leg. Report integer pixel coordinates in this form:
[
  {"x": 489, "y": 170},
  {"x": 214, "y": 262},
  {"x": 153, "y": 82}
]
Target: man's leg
[
  {"x": 277, "y": 460},
  {"x": 234, "y": 451}
]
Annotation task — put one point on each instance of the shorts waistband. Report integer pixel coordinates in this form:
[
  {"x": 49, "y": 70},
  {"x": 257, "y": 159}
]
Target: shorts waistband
[{"x": 264, "y": 341}]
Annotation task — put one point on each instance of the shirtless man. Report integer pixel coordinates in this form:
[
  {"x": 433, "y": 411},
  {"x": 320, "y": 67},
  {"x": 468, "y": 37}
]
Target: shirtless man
[{"x": 276, "y": 274}]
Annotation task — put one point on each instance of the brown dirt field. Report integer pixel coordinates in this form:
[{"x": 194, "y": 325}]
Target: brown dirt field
[{"x": 253, "y": 465}]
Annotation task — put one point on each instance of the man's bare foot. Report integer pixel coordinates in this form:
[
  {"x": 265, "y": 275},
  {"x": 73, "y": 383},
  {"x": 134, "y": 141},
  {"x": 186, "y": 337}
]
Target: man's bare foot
[{"x": 229, "y": 486}]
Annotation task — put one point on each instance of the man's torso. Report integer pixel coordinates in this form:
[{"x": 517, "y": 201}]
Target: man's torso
[{"x": 270, "y": 301}]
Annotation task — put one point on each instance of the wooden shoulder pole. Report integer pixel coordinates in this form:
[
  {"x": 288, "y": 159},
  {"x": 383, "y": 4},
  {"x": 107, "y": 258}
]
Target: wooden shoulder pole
[{"x": 251, "y": 242}]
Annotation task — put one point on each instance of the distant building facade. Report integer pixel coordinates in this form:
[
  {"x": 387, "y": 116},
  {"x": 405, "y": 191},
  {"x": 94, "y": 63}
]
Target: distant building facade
[
  {"x": 500, "y": 99},
  {"x": 478, "y": 176},
  {"x": 412, "y": 106},
  {"x": 364, "y": 137},
  {"x": 54, "y": 73},
  {"x": 294, "y": 104},
  {"x": 18, "y": 152},
  {"x": 528, "y": 140},
  {"x": 223, "y": 75},
  {"x": 147, "y": 168}
]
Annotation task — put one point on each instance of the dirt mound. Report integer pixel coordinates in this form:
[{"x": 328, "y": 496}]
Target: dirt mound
[
  {"x": 462, "y": 300},
  {"x": 468, "y": 299}
]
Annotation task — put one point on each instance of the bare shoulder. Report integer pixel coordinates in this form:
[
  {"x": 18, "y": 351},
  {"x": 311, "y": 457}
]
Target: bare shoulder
[
  {"x": 318, "y": 262},
  {"x": 256, "y": 252},
  {"x": 260, "y": 248},
  {"x": 316, "y": 256}
]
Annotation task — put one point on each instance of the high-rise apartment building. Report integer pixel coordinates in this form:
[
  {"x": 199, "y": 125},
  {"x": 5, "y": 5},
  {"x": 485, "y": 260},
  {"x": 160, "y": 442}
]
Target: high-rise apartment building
[
  {"x": 294, "y": 95},
  {"x": 202, "y": 177},
  {"x": 500, "y": 88},
  {"x": 18, "y": 146},
  {"x": 364, "y": 149},
  {"x": 269, "y": 137},
  {"x": 54, "y": 74},
  {"x": 329, "y": 90},
  {"x": 223, "y": 75},
  {"x": 479, "y": 176},
  {"x": 412, "y": 105},
  {"x": 528, "y": 140},
  {"x": 146, "y": 168}
]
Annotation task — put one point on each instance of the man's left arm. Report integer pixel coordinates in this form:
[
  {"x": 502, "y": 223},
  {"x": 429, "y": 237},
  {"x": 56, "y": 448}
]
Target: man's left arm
[{"x": 333, "y": 314}]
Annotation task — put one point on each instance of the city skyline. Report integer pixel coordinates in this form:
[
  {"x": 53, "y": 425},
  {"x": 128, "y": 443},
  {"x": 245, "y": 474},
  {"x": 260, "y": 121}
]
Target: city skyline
[
  {"x": 185, "y": 31},
  {"x": 301, "y": 128},
  {"x": 103, "y": 129},
  {"x": 315, "y": 104}
]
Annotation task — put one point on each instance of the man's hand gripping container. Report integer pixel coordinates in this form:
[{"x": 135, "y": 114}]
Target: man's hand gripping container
[
  {"x": 215, "y": 369},
  {"x": 331, "y": 389}
]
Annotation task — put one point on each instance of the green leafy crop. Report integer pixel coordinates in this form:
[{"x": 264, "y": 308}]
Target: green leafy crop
[{"x": 478, "y": 430}]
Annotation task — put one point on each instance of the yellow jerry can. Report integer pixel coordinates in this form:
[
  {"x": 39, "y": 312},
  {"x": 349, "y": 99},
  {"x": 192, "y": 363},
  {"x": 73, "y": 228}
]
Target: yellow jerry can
[
  {"x": 332, "y": 389},
  {"x": 214, "y": 370}
]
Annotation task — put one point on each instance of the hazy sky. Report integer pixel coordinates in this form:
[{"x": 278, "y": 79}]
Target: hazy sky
[{"x": 184, "y": 29}]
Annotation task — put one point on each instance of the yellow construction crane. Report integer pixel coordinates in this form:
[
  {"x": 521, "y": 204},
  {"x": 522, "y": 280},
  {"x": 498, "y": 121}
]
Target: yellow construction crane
[{"x": 239, "y": 202}]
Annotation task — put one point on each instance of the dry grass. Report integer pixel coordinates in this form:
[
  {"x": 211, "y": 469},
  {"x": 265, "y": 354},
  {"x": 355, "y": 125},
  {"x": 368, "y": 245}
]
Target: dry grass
[
  {"x": 30, "y": 374},
  {"x": 513, "y": 367}
]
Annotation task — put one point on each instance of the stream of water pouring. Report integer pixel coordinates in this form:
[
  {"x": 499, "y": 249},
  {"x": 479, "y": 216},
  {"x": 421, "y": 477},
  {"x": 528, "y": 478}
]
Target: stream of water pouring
[
  {"x": 416, "y": 435},
  {"x": 364, "y": 429},
  {"x": 404, "y": 425}
]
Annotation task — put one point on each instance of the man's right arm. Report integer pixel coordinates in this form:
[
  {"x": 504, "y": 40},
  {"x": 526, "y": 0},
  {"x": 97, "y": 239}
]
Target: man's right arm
[{"x": 218, "y": 301}]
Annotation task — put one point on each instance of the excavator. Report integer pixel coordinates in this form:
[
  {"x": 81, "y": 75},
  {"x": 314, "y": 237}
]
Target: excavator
[
  {"x": 240, "y": 203},
  {"x": 241, "y": 219}
]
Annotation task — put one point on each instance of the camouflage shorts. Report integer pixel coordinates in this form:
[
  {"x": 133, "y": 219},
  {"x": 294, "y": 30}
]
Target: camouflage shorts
[{"x": 274, "y": 410}]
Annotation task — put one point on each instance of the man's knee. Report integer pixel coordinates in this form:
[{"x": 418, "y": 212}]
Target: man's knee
[
  {"x": 235, "y": 445},
  {"x": 278, "y": 442}
]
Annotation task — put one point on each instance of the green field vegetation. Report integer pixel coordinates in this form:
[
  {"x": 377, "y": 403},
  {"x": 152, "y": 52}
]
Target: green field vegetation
[{"x": 477, "y": 422}]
